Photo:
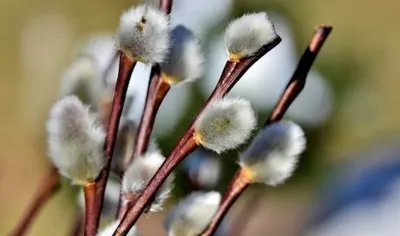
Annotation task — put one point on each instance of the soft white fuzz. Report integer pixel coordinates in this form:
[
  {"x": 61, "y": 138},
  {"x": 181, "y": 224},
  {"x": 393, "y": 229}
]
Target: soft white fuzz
[
  {"x": 274, "y": 153},
  {"x": 185, "y": 60},
  {"x": 247, "y": 34},
  {"x": 139, "y": 174},
  {"x": 82, "y": 78},
  {"x": 75, "y": 140},
  {"x": 110, "y": 229},
  {"x": 143, "y": 34},
  {"x": 193, "y": 214},
  {"x": 225, "y": 124}
]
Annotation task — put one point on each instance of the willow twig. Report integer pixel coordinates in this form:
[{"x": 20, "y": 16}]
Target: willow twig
[
  {"x": 298, "y": 80},
  {"x": 293, "y": 89},
  {"x": 232, "y": 72},
  {"x": 126, "y": 66}
]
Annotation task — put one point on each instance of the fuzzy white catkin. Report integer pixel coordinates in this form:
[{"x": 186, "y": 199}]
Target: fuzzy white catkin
[
  {"x": 185, "y": 60},
  {"x": 75, "y": 140},
  {"x": 225, "y": 124},
  {"x": 193, "y": 214},
  {"x": 273, "y": 154},
  {"x": 143, "y": 34},
  {"x": 140, "y": 172},
  {"x": 82, "y": 78},
  {"x": 110, "y": 229},
  {"x": 247, "y": 34}
]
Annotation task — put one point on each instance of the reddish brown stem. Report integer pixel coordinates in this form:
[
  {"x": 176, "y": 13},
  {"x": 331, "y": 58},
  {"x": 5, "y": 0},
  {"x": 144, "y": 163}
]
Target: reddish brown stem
[
  {"x": 293, "y": 89},
  {"x": 128, "y": 202},
  {"x": 239, "y": 183},
  {"x": 90, "y": 212},
  {"x": 156, "y": 93},
  {"x": 77, "y": 225},
  {"x": 232, "y": 72},
  {"x": 133, "y": 214},
  {"x": 298, "y": 80},
  {"x": 166, "y": 6},
  {"x": 126, "y": 66},
  {"x": 48, "y": 187}
]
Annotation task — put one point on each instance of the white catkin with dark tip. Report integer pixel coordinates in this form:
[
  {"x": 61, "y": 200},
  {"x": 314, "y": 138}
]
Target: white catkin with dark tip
[
  {"x": 247, "y": 34},
  {"x": 143, "y": 34},
  {"x": 193, "y": 214},
  {"x": 225, "y": 124},
  {"x": 75, "y": 140},
  {"x": 273, "y": 154},
  {"x": 185, "y": 60},
  {"x": 140, "y": 172}
]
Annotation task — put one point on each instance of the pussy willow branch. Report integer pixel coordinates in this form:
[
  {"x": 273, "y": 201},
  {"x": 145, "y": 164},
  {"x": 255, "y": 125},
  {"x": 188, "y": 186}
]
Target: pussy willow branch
[
  {"x": 298, "y": 80},
  {"x": 293, "y": 89},
  {"x": 232, "y": 72},
  {"x": 48, "y": 187},
  {"x": 156, "y": 93},
  {"x": 90, "y": 203},
  {"x": 166, "y": 6},
  {"x": 236, "y": 188},
  {"x": 126, "y": 66}
]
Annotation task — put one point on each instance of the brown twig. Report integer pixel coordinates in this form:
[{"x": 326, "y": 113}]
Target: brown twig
[
  {"x": 239, "y": 183},
  {"x": 232, "y": 72},
  {"x": 295, "y": 86},
  {"x": 126, "y": 66},
  {"x": 48, "y": 187},
  {"x": 77, "y": 225},
  {"x": 128, "y": 201},
  {"x": 298, "y": 80},
  {"x": 166, "y": 6},
  {"x": 156, "y": 93},
  {"x": 90, "y": 204}
]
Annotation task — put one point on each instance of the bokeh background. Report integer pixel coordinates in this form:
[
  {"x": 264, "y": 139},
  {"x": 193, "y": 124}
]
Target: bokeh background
[{"x": 357, "y": 66}]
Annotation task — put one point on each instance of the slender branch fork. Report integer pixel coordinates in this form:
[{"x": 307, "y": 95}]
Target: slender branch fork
[
  {"x": 156, "y": 93},
  {"x": 232, "y": 72},
  {"x": 157, "y": 90},
  {"x": 94, "y": 204},
  {"x": 48, "y": 186},
  {"x": 292, "y": 90}
]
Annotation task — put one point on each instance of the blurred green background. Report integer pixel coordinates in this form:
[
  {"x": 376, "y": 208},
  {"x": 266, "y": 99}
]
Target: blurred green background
[{"x": 39, "y": 38}]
